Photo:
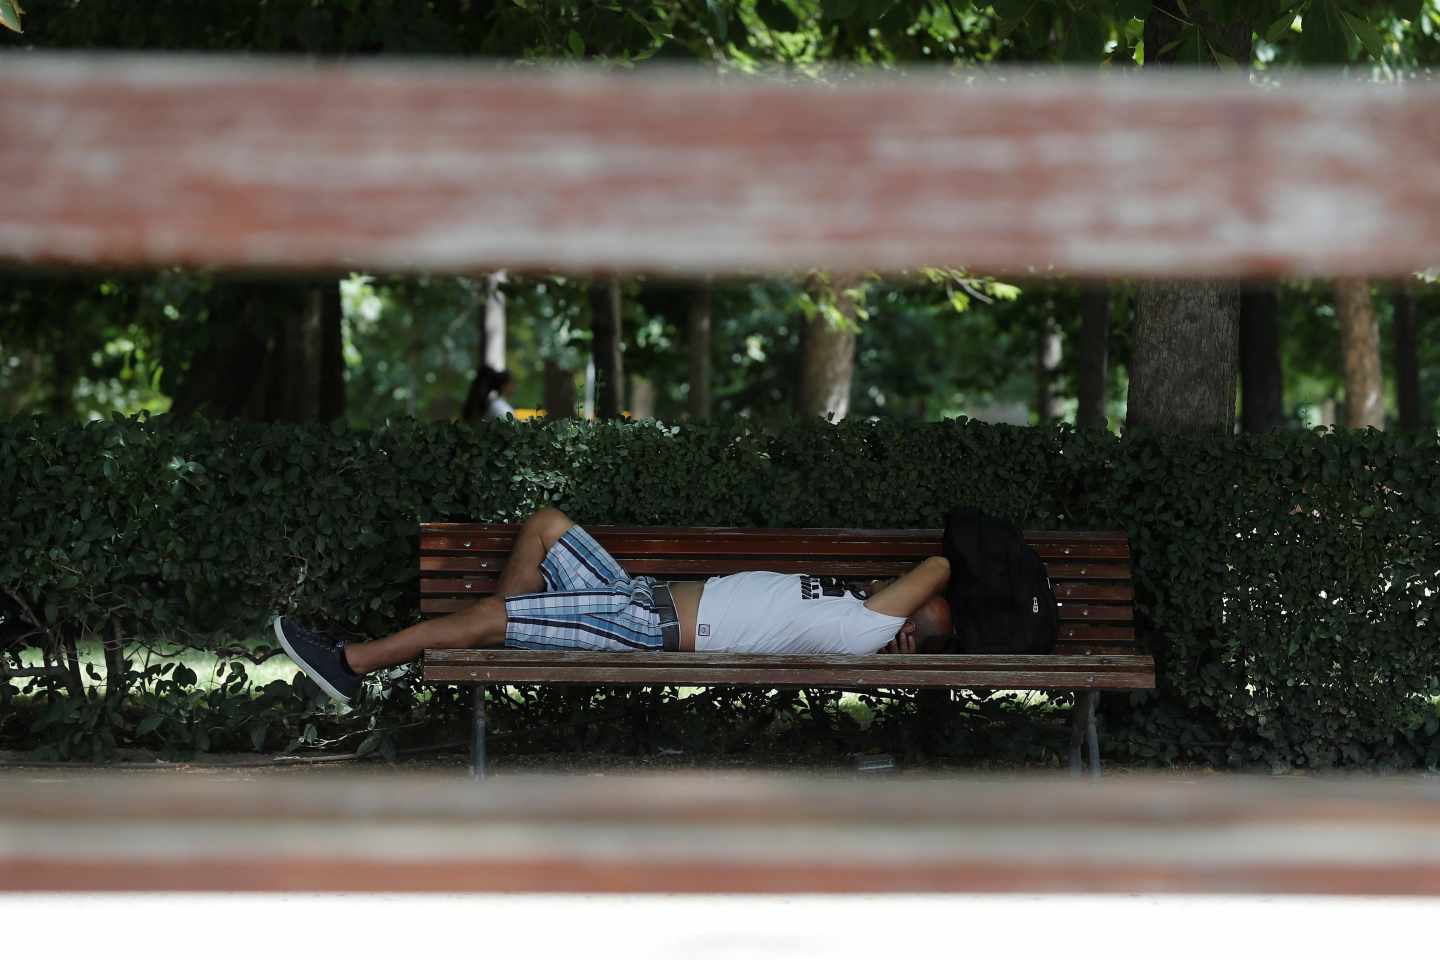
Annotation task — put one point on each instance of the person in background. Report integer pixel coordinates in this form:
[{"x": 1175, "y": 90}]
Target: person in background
[
  {"x": 489, "y": 397},
  {"x": 502, "y": 388}
]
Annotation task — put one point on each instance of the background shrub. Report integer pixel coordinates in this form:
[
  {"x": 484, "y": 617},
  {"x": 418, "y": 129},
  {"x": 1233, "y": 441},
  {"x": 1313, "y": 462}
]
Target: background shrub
[{"x": 1287, "y": 583}]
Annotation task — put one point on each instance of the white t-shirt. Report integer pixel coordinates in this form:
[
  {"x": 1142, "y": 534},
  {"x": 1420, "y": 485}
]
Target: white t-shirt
[
  {"x": 787, "y": 613},
  {"x": 498, "y": 408}
]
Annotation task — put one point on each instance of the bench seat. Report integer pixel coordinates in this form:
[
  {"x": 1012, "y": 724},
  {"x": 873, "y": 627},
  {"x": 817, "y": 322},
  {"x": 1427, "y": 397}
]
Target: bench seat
[
  {"x": 1090, "y": 570},
  {"x": 778, "y": 670}
]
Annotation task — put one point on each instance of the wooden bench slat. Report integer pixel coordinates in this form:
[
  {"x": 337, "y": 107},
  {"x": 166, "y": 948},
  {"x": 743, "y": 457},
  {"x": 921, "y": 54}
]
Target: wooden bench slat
[
  {"x": 898, "y": 534},
  {"x": 691, "y": 831},
  {"x": 1084, "y": 672},
  {"x": 1093, "y": 591},
  {"x": 721, "y": 566},
  {"x": 1083, "y": 570},
  {"x": 748, "y": 553},
  {"x": 450, "y": 563},
  {"x": 1067, "y": 611},
  {"x": 635, "y": 547},
  {"x": 392, "y": 166},
  {"x": 478, "y": 586},
  {"x": 623, "y": 549},
  {"x": 584, "y": 659},
  {"x": 1099, "y": 632},
  {"x": 687, "y": 568},
  {"x": 701, "y": 669},
  {"x": 475, "y": 587},
  {"x": 771, "y": 677},
  {"x": 1161, "y": 804},
  {"x": 1094, "y": 612},
  {"x": 481, "y": 583},
  {"x": 1090, "y": 648},
  {"x": 1059, "y": 570},
  {"x": 808, "y": 542},
  {"x": 441, "y": 605},
  {"x": 1064, "y": 550},
  {"x": 1113, "y": 637}
]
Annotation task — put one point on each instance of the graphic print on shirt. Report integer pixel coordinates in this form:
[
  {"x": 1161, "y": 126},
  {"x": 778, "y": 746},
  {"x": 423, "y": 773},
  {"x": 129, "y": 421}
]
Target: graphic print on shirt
[
  {"x": 812, "y": 588},
  {"x": 783, "y": 613}
]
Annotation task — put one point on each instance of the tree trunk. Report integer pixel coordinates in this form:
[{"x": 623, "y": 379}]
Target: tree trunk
[
  {"x": 62, "y": 395},
  {"x": 698, "y": 403},
  {"x": 605, "y": 348},
  {"x": 332, "y": 353},
  {"x": 1047, "y": 368},
  {"x": 489, "y": 311},
  {"x": 1183, "y": 375},
  {"x": 271, "y": 395},
  {"x": 274, "y": 352},
  {"x": 828, "y": 364},
  {"x": 1360, "y": 350},
  {"x": 74, "y": 681},
  {"x": 227, "y": 376},
  {"x": 1093, "y": 358},
  {"x": 559, "y": 391},
  {"x": 1262, "y": 402},
  {"x": 1184, "y": 372},
  {"x": 115, "y": 673},
  {"x": 297, "y": 370},
  {"x": 494, "y": 329},
  {"x": 642, "y": 399},
  {"x": 1407, "y": 367},
  {"x": 33, "y": 365}
]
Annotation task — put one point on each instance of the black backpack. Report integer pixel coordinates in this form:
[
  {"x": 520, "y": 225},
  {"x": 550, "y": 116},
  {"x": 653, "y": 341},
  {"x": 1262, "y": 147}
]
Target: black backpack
[{"x": 1000, "y": 596}]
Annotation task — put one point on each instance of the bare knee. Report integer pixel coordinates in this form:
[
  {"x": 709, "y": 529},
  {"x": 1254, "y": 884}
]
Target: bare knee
[
  {"x": 483, "y": 623},
  {"x": 549, "y": 525}
]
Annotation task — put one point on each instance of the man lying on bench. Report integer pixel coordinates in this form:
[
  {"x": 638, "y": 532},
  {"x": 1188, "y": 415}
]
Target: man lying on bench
[{"x": 562, "y": 591}]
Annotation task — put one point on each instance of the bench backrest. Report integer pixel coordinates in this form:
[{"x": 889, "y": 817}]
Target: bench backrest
[{"x": 460, "y": 562}]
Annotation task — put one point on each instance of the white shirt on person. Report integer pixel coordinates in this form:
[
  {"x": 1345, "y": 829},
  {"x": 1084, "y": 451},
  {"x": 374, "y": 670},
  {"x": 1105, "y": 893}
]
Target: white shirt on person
[
  {"x": 499, "y": 408},
  {"x": 792, "y": 613}
]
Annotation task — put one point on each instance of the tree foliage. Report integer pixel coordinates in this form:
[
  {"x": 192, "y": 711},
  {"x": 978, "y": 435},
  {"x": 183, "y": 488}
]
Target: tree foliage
[{"x": 129, "y": 341}]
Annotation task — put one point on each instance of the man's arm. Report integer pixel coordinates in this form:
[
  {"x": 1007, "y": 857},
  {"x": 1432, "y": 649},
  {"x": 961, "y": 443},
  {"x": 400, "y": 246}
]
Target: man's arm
[{"x": 907, "y": 594}]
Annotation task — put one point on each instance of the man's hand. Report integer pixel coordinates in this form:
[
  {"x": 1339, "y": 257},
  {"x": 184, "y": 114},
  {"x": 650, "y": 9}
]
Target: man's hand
[{"x": 904, "y": 641}]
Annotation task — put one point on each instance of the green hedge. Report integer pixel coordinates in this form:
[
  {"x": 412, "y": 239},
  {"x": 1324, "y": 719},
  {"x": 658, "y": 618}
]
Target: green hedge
[{"x": 1288, "y": 583}]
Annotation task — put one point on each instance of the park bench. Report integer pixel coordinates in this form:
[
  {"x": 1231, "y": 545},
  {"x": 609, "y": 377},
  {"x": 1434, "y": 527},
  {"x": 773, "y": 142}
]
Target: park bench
[{"x": 1096, "y": 650}]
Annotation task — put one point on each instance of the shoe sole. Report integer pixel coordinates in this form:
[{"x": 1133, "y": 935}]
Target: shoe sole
[{"x": 305, "y": 668}]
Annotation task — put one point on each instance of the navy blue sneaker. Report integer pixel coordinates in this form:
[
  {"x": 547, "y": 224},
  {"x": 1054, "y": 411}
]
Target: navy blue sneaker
[{"x": 321, "y": 657}]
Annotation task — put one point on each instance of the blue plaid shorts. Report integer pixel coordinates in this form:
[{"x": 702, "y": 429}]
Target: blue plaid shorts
[{"x": 589, "y": 603}]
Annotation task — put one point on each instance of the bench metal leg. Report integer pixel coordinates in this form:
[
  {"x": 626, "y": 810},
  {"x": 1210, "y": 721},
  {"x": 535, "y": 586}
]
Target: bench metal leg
[
  {"x": 477, "y": 732},
  {"x": 1077, "y": 733},
  {"x": 1082, "y": 730},
  {"x": 1092, "y": 736}
]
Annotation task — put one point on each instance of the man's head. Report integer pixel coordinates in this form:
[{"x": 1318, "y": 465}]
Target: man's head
[
  {"x": 934, "y": 630},
  {"x": 930, "y": 627}
]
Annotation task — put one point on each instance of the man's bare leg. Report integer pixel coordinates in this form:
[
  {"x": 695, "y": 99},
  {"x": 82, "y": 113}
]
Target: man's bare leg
[
  {"x": 536, "y": 537},
  {"x": 483, "y": 623}
]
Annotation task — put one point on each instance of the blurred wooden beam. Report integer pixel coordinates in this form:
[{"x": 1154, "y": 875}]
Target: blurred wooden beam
[
  {"x": 275, "y": 164},
  {"x": 708, "y": 833}
]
